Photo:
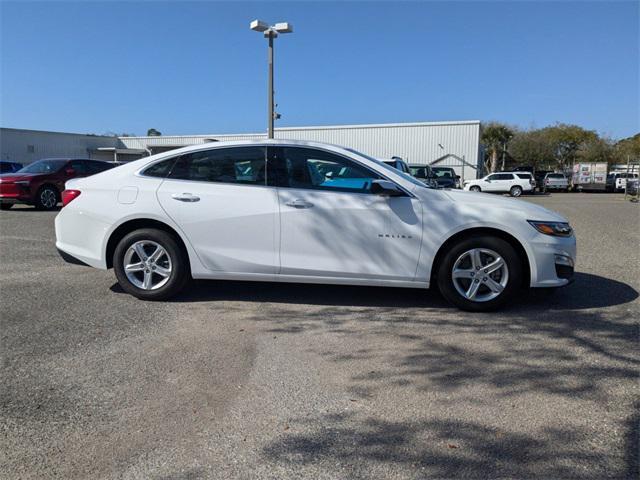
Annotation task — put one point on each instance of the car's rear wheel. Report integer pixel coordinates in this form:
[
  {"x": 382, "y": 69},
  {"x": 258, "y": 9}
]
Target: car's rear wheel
[
  {"x": 150, "y": 264},
  {"x": 475, "y": 188},
  {"x": 515, "y": 191},
  {"x": 47, "y": 198},
  {"x": 6, "y": 206},
  {"x": 480, "y": 273}
]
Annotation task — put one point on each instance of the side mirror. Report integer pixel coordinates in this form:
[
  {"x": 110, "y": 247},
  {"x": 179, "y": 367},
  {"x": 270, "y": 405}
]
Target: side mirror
[
  {"x": 69, "y": 171},
  {"x": 386, "y": 188},
  {"x": 457, "y": 177}
]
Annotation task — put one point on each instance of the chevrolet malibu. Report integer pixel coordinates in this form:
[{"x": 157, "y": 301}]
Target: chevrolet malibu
[{"x": 306, "y": 212}]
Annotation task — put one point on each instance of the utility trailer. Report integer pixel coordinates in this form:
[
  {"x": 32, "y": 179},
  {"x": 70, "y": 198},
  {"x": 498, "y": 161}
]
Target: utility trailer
[{"x": 589, "y": 176}]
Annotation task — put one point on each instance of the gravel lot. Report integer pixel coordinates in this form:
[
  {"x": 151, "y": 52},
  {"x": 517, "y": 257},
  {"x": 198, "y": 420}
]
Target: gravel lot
[{"x": 236, "y": 380}]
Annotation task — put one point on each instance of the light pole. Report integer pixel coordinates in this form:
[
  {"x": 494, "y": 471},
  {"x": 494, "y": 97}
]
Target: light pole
[{"x": 271, "y": 32}]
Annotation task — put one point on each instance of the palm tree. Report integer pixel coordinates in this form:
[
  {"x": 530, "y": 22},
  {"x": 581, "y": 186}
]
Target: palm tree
[{"x": 495, "y": 137}]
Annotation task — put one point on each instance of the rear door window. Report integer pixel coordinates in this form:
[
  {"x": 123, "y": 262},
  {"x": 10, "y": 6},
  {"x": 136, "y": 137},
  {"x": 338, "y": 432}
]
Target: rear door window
[
  {"x": 240, "y": 165},
  {"x": 504, "y": 176}
]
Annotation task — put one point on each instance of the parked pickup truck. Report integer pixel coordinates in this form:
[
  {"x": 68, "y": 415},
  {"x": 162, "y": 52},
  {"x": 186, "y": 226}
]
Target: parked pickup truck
[
  {"x": 617, "y": 181},
  {"x": 555, "y": 181}
]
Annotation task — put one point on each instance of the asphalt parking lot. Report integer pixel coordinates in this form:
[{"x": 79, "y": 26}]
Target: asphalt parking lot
[{"x": 251, "y": 380}]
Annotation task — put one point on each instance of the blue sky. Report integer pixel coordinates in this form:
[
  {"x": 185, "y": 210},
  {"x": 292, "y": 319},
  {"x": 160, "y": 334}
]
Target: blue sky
[{"x": 195, "y": 67}]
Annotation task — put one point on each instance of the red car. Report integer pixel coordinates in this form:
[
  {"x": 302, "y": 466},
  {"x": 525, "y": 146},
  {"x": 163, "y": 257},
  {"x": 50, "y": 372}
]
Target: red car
[{"x": 41, "y": 183}]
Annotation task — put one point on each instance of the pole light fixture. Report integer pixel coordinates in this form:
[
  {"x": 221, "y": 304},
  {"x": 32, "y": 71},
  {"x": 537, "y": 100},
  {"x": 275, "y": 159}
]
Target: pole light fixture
[{"x": 271, "y": 32}]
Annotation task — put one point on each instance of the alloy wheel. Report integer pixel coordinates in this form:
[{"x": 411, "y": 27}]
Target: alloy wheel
[
  {"x": 480, "y": 274},
  {"x": 48, "y": 198},
  {"x": 147, "y": 265}
]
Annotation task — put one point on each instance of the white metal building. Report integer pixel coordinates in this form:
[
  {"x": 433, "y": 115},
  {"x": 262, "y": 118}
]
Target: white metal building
[
  {"x": 26, "y": 146},
  {"x": 451, "y": 144}
]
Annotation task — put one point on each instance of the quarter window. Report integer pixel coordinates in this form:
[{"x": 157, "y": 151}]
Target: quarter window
[
  {"x": 243, "y": 165},
  {"x": 160, "y": 169},
  {"x": 320, "y": 170}
]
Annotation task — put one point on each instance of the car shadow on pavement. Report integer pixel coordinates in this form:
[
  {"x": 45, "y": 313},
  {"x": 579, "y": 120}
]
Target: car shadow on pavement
[
  {"x": 545, "y": 356},
  {"x": 587, "y": 291}
]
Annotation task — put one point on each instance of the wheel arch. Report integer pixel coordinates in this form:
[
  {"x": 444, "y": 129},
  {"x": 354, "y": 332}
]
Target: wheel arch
[
  {"x": 477, "y": 231},
  {"x": 136, "y": 224}
]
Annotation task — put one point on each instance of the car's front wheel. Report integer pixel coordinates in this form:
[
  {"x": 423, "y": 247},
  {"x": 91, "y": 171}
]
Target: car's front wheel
[
  {"x": 480, "y": 273},
  {"x": 475, "y": 188},
  {"x": 150, "y": 264},
  {"x": 47, "y": 198}
]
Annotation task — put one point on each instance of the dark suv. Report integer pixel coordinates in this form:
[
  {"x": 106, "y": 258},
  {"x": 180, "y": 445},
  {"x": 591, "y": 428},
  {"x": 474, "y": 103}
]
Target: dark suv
[{"x": 41, "y": 183}]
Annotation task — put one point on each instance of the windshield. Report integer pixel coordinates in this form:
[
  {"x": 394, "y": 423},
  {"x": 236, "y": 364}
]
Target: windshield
[
  {"x": 43, "y": 166},
  {"x": 406, "y": 176}
]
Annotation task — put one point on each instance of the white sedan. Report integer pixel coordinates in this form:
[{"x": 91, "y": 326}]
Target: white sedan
[{"x": 293, "y": 211}]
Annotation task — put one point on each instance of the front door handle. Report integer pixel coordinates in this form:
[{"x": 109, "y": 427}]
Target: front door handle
[
  {"x": 185, "y": 197},
  {"x": 299, "y": 203}
]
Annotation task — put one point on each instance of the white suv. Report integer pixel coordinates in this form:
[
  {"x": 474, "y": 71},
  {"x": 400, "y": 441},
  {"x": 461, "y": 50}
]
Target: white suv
[{"x": 514, "y": 183}]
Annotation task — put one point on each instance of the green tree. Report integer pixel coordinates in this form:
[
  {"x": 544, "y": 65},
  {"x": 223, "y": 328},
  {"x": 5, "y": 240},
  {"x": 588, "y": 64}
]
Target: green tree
[
  {"x": 566, "y": 141},
  {"x": 532, "y": 148},
  {"x": 628, "y": 149},
  {"x": 597, "y": 149},
  {"x": 152, "y": 132},
  {"x": 495, "y": 137}
]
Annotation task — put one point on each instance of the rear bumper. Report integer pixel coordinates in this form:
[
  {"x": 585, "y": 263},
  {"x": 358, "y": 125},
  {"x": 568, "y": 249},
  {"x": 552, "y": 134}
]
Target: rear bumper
[
  {"x": 81, "y": 236},
  {"x": 71, "y": 259}
]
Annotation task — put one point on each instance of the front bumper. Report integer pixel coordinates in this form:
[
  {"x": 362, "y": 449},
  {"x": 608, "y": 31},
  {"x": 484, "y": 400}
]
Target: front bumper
[
  {"x": 11, "y": 192},
  {"x": 554, "y": 260}
]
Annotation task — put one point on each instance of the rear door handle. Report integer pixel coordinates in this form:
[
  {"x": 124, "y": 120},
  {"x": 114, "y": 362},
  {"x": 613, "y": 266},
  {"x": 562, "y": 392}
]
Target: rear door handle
[
  {"x": 299, "y": 203},
  {"x": 185, "y": 197}
]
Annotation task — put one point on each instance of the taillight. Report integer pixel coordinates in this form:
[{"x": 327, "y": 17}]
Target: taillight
[{"x": 68, "y": 196}]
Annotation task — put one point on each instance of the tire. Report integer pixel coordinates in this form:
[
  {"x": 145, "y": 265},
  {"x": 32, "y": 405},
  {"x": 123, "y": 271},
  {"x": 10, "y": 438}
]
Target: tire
[
  {"x": 515, "y": 191},
  {"x": 475, "y": 188},
  {"x": 487, "y": 295},
  {"x": 47, "y": 198},
  {"x": 6, "y": 206},
  {"x": 146, "y": 282}
]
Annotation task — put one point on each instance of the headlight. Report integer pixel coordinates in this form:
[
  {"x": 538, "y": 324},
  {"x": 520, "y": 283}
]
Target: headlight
[{"x": 556, "y": 229}]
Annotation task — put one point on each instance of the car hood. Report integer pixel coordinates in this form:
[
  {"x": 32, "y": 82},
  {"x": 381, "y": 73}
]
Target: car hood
[
  {"x": 16, "y": 177},
  {"x": 487, "y": 202}
]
